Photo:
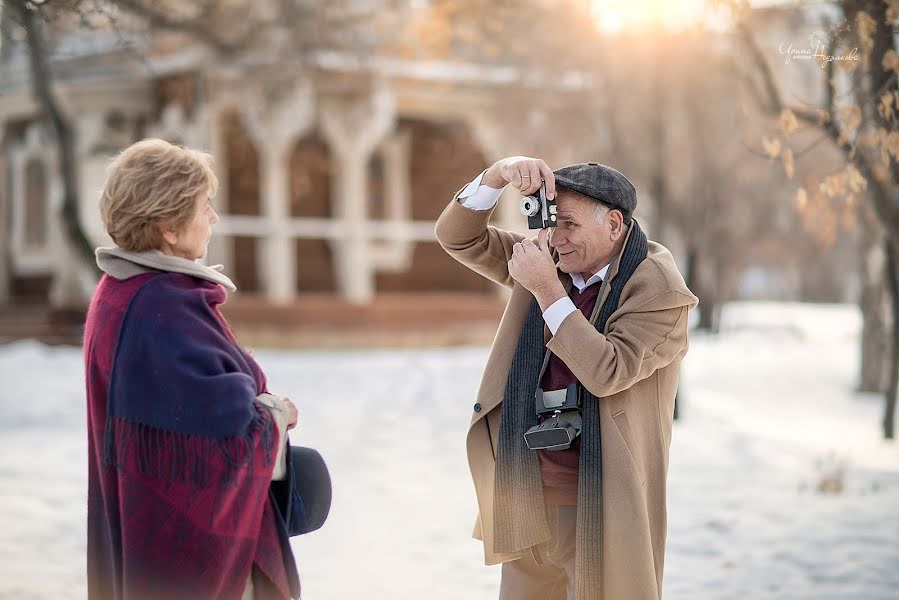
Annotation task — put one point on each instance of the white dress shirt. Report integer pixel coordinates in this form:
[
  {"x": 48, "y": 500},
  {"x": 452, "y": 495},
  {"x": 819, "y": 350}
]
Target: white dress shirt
[{"x": 482, "y": 197}]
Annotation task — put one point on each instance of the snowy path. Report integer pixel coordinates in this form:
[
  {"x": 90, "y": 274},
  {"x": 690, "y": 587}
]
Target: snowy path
[{"x": 768, "y": 414}]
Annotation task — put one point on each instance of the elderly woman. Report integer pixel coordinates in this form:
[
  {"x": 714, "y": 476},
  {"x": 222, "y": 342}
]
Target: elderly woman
[{"x": 184, "y": 438}]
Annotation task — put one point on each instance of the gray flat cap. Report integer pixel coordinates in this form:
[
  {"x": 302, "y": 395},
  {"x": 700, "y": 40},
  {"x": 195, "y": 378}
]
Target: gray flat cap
[{"x": 601, "y": 183}]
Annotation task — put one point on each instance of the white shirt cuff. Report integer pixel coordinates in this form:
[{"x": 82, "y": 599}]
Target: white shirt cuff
[
  {"x": 479, "y": 197},
  {"x": 556, "y": 313}
]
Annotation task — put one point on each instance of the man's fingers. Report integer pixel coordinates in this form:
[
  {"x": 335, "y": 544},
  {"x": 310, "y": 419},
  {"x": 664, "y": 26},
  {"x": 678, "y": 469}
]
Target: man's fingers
[
  {"x": 514, "y": 176},
  {"x": 533, "y": 179},
  {"x": 524, "y": 176},
  {"x": 543, "y": 240},
  {"x": 548, "y": 178}
]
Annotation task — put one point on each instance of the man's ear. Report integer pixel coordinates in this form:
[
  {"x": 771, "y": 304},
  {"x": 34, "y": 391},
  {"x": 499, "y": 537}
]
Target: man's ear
[{"x": 616, "y": 222}]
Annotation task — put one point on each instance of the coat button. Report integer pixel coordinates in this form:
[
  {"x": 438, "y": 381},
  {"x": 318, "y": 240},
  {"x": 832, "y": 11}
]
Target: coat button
[{"x": 477, "y": 407}]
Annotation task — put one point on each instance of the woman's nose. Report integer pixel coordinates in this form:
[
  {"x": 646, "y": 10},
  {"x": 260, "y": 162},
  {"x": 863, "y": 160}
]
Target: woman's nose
[{"x": 214, "y": 217}]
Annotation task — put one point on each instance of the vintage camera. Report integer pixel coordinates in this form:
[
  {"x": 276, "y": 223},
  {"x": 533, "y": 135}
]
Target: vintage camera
[
  {"x": 564, "y": 423},
  {"x": 539, "y": 211}
]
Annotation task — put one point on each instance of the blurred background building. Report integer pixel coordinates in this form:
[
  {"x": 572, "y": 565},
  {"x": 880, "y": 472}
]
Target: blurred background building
[{"x": 341, "y": 132}]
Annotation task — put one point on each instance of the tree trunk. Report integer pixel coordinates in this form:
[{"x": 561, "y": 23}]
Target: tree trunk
[
  {"x": 708, "y": 306},
  {"x": 875, "y": 307},
  {"x": 77, "y": 249},
  {"x": 4, "y": 228},
  {"x": 889, "y": 413},
  {"x": 658, "y": 176},
  {"x": 708, "y": 314}
]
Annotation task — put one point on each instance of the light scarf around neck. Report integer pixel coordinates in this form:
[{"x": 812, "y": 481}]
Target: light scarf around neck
[{"x": 123, "y": 264}]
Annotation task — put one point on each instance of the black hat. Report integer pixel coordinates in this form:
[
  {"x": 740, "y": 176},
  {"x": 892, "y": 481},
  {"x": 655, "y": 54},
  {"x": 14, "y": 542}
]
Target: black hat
[
  {"x": 310, "y": 484},
  {"x": 601, "y": 183}
]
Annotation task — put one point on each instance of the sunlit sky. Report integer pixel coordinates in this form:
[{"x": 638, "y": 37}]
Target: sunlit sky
[{"x": 614, "y": 16}]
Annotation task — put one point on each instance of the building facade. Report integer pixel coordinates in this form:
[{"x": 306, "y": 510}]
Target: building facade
[{"x": 332, "y": 173}]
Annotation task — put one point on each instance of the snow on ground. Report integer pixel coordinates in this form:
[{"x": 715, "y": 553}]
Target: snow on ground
[{"x": 768, "y": 416}]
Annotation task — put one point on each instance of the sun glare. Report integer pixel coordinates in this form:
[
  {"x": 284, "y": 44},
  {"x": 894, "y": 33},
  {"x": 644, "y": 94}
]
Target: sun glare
[{"x": 615, "y": 16}]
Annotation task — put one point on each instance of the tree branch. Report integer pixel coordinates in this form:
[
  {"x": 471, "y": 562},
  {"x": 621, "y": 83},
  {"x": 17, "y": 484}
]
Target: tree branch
[
  {"x": 882, "y": 192},
  {"x": 41, "y": 78},
  {"x": 196, "y": 27}
]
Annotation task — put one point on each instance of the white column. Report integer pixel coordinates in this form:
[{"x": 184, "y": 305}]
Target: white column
[
  {"x": 279, "y": 267},
  {"x": 493, "y": 141},
  {"x": 73, "y": 276},
  {"x": 72, "y": 279},
  {"x": 274, "y": 127},
  {"x": 353, "y": 128},
  {"x": 89, "y": 128},
  {"x": 395, "y": 254},
  {"x": 209, "y": 119}
]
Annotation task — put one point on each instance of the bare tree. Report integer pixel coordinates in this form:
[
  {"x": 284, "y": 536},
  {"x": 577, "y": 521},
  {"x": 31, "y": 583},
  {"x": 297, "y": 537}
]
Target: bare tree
[
  {"x": 28, "y": 16},
  {"x": 860, "y": 122}
]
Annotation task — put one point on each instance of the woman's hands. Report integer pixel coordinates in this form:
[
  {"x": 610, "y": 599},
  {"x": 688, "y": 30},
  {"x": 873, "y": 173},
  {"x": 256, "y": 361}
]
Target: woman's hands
[
  {"x": 292, "y": 411},
  {"x": 282, "y": 405}
]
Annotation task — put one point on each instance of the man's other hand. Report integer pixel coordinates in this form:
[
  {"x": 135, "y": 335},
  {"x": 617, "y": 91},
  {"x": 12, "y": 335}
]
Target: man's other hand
[{"x": 532, "y": 266}]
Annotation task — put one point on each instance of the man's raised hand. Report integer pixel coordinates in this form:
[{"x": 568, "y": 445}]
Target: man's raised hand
[{"x": 523, "y": 173}]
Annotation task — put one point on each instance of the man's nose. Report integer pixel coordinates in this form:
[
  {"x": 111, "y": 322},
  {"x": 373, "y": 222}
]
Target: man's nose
[{"x": 556, "y": 238}]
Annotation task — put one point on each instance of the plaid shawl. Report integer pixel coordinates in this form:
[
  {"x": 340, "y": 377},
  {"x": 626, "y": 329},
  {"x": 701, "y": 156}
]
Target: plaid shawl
[{"x": 180, "y": 455}]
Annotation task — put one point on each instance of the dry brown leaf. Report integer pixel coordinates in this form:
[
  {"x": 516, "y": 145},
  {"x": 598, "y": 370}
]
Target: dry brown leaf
[
  {"x": 856, "y": 180},
  {"x": 891, "y": 143},
  {"x": 885, "y": 106},
  {"x": 772, "y": 147},
  {"x": 892, "y": 11},
  {"x": 833, "y": 185},
  {"x": 851, "y": 116},
  {"x": 787, "y": 158},
  {"x": 787, "y": 122},
  {"x": 865, "y": 25},
  {"x": 801, "y": 199},
  {"x": 890, "y": 60}
]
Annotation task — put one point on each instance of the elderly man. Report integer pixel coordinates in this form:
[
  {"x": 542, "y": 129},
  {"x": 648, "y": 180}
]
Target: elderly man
[{"x": 599, "y": 315}]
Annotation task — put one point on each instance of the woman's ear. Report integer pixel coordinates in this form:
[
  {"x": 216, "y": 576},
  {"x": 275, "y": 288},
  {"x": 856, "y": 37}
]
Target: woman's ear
[{"x": 170, "y": 237}]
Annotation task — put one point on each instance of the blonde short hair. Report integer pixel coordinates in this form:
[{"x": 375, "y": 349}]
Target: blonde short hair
[{"x": 153, "y": 184}]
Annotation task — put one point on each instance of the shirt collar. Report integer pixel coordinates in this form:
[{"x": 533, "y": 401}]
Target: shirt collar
[{"x": 581, "y": 285}]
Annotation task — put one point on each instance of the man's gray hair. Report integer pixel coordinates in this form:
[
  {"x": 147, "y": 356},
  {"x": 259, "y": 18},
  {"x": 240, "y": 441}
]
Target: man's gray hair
[{"x": 600, "y": 211}]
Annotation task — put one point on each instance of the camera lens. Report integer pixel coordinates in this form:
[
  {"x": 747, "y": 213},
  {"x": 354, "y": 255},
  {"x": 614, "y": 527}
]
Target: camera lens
[{"x": 530, "y": 206}]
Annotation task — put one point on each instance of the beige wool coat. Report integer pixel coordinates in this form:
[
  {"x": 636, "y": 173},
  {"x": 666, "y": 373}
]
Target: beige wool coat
[{"x": 633, "y": 370}]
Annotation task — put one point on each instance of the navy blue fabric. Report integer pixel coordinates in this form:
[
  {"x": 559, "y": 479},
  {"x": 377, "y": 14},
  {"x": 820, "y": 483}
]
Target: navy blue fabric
[{"x": 207, "y": 389}]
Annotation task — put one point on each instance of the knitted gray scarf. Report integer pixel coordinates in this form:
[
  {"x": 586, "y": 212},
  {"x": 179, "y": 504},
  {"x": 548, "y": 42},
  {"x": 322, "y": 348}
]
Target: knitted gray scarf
[{"x": 519, "y": 510}]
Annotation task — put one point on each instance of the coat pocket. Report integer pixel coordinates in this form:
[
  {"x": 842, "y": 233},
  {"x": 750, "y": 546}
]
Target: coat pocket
[{"x": 624, "y": 428}]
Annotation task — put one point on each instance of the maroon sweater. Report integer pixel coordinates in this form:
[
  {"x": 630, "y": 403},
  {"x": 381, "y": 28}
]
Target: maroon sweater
[{"x": 560, "y": 468}]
